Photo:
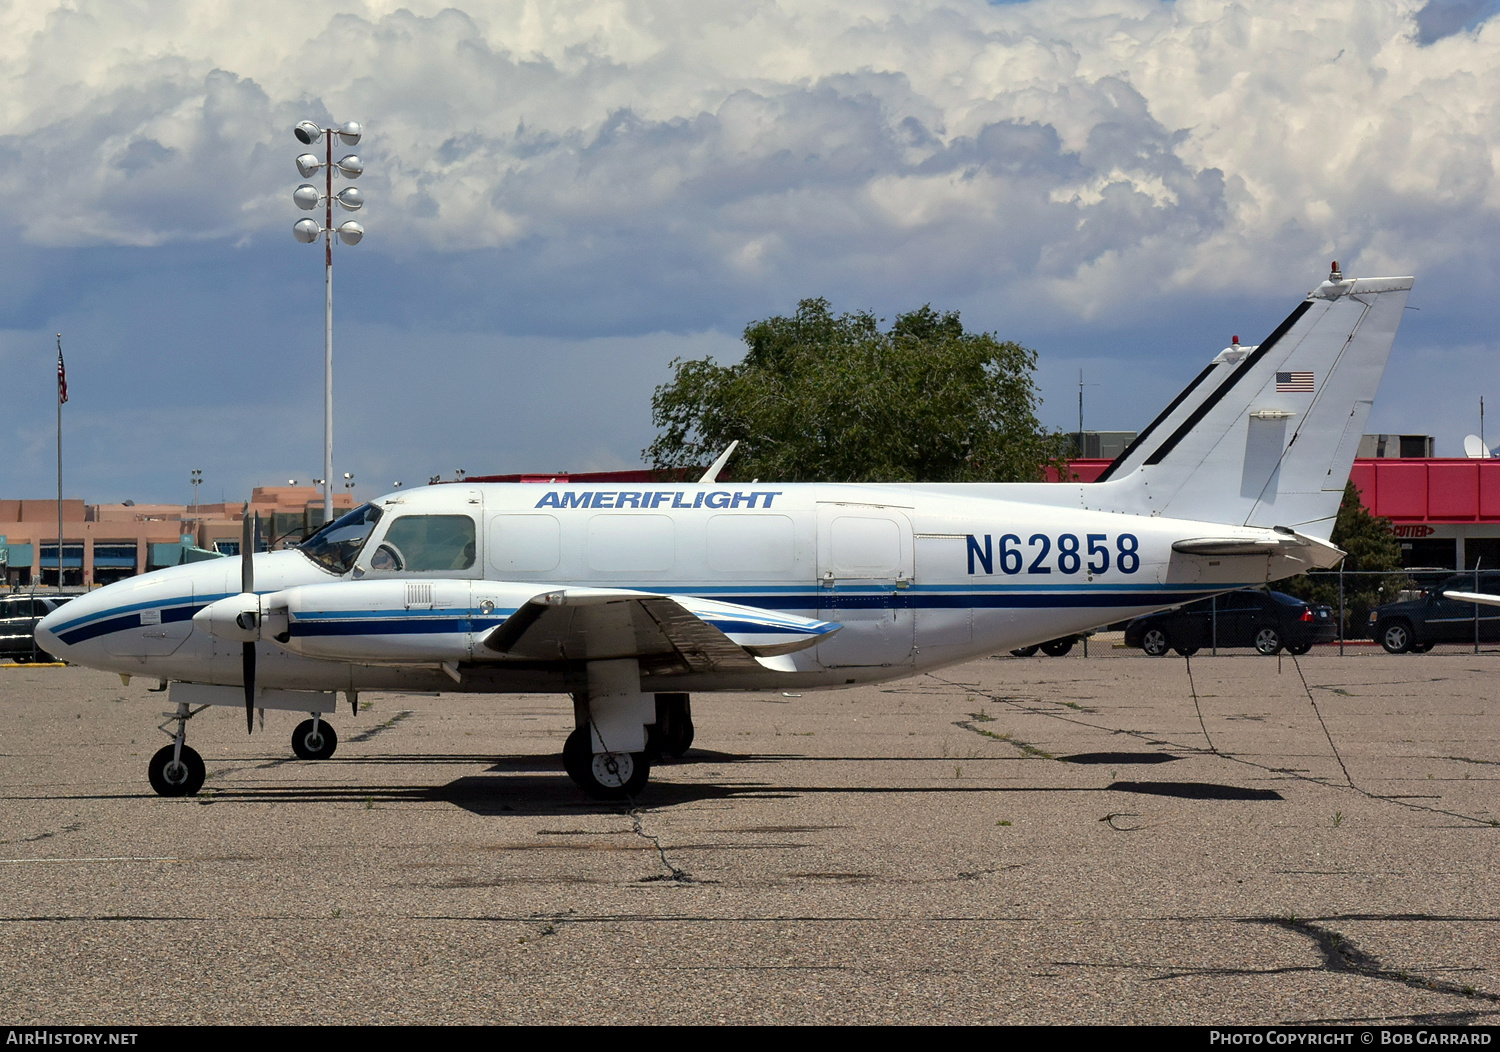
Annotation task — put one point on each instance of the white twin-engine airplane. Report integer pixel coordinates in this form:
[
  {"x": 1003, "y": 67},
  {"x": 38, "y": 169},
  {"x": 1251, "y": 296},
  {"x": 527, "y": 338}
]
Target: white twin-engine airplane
[{"x": 631, "y": 599}]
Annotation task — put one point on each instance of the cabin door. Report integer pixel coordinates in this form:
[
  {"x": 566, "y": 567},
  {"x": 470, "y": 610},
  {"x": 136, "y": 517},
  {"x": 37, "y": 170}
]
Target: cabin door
[{"x": 865, "y": 569}]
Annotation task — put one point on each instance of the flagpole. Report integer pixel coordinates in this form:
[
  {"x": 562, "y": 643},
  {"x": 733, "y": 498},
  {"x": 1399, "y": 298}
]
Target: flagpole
[{"x": 61, "y": 397}]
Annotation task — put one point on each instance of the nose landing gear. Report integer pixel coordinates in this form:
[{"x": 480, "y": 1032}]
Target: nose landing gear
[
  {"x": 176, "y": 769},
  {"x": 314, "y": 739}
]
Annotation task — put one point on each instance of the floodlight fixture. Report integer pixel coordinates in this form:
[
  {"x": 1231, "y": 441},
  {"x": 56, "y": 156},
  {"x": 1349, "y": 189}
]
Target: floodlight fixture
[{"x": 351, "y": 199}]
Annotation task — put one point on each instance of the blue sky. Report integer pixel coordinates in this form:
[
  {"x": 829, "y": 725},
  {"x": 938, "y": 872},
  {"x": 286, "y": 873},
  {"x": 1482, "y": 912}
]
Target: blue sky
[{"x": 565, "y": 196}]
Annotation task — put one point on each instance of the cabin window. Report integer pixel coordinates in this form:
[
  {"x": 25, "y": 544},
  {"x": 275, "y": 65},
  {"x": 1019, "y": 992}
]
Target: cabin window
[
  {"x": 424, "y": 543},
  {"x": 636, "y": 543},
  {"x": 524, "y": 543},
  {"x": 750, "y": 543},
  {"x": 337, "y": 544}
]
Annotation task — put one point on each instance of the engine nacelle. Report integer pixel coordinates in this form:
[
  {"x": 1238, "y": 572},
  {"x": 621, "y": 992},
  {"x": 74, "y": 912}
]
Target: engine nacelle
[
  {"x": 235, "y": 617},
  {"x": 395, "y": 622}
]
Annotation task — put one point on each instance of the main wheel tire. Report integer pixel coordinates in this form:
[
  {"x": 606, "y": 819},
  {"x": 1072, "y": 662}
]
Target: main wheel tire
[
  {"x": 1267, "y": 640},
  {"x": 1024, "y": 651},
  {"x": 1057, "y": 647},
  {"x": 604, "y": 776},
  {"x": 310, "y": 743},
  {"x": 181, "y": 778},
  {"x": 1395, "y": 636},
  {"x": 1155, "y": 642},
  {"x": 576, "y": 754},
  {"x": 1299, "y": 649},
  {"x": 672, "y": 733}
]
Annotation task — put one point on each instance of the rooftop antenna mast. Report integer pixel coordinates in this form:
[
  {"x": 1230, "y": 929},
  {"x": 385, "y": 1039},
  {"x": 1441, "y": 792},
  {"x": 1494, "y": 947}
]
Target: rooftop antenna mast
[
  {"x": 1081, "y": 386},
  {"x": 62, "y": 396}
]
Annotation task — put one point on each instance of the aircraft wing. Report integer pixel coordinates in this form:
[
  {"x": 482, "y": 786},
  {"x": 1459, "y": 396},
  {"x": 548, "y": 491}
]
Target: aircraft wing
[
  {"x": 1474, "y": 597},
  {"x": 602, "y": 624}
]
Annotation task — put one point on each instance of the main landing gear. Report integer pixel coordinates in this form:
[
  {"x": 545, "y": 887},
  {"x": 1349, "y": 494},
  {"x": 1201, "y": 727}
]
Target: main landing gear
[
  {"x": 607, "y": 775},
  {"x": 177, "y": 769}
]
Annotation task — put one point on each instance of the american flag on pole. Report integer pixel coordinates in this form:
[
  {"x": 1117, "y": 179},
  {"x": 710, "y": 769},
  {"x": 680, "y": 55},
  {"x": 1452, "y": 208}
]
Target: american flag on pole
[
  {"x": 62, "y": 375},
  {"x": 1294, "y": 383}
]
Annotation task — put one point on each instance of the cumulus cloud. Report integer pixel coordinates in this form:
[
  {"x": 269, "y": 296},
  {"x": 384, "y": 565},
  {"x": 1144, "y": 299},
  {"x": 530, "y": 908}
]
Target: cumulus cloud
[{"x": 1080, "y": 151}]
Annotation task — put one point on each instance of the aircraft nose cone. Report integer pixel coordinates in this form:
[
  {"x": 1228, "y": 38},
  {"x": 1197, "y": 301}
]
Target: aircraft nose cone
[
  {"x": 47, "y": 629},
  {"x": 67, "y": 632}
]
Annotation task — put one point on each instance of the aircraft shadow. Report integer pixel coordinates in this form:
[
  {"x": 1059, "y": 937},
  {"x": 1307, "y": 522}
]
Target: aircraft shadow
[{"x": 532, "y": 784}]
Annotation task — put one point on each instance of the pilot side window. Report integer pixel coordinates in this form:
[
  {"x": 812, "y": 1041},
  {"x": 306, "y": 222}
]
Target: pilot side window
[{"x": 422, "y": 543}]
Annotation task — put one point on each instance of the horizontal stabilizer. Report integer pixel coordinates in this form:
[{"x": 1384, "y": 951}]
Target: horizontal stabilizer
[
  {"x": 1474, "y": 597},
  {"x": 1282, "y": 543}
]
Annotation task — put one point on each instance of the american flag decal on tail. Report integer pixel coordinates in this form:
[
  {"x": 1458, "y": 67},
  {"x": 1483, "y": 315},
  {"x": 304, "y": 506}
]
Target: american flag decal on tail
[{"x": 1294, "y": 383}]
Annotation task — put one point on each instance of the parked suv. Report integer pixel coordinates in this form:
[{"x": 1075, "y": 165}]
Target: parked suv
[
  {"x": 1417, "y": 625},
  {"x": 19, "y": 615},
  {"x": 1251, "y": 617}
]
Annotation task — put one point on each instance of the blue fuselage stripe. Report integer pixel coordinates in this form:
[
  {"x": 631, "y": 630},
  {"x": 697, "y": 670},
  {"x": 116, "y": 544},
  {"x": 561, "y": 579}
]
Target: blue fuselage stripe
[{"x": 781, "y": 599}]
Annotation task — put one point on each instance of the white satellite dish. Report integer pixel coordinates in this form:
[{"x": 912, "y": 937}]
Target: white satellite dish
[{"x": 1474, "y": 448}]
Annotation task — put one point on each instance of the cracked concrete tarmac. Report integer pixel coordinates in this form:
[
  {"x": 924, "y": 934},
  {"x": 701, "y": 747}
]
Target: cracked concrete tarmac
[{"x": 1040, "y": 840}]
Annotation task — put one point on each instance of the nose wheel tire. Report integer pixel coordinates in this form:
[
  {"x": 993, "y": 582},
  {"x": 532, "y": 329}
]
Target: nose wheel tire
[
  {"x": 181, "y": 777},
  {"x": 1154, "y": 642},
  {"x": 604, "y": 776},
  {"x": 1057, "y": 647},
  {"x": 314, "y": 743},
  {"x": 1268, "y": 641}
]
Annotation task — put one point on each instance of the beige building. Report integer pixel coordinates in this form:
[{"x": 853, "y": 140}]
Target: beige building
[{"x": 107, "y": 542}]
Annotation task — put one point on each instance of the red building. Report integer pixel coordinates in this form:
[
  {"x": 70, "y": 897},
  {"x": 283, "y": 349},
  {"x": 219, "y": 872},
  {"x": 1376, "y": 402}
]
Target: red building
[{"x": 1446, "y": 512}]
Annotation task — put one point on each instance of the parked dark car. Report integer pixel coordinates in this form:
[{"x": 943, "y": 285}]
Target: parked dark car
[
  {"x": 19, "y": 615},
  {"x": 1417, "y": 625},
  {"x": 1267, "y": 621}
]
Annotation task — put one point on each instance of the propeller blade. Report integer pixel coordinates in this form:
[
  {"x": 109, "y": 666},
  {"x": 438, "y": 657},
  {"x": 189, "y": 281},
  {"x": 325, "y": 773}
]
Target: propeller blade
[
  {"x": 248, "y": 530},
  {"x": 247, "y": 556},
  {"x": 248, "y": 663}
]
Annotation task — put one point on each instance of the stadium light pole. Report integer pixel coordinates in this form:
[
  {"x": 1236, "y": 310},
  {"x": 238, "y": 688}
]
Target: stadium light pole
[{"x": 351, "y": 199}]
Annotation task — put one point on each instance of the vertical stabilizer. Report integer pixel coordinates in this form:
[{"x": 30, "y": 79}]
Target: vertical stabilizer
[{"x": 1272, "y": 440}]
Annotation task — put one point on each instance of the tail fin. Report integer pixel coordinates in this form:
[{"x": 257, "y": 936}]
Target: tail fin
[{"x": 1268, "y": 440}]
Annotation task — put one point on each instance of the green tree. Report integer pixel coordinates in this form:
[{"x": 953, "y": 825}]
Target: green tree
[
  {"x": 1372, "y": 553},
  {"x": 820, "y": 398}
]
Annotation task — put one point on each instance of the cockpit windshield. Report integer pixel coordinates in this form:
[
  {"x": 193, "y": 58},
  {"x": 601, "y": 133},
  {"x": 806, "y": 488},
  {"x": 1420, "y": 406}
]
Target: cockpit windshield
[{"x": 337, "y": 545}]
